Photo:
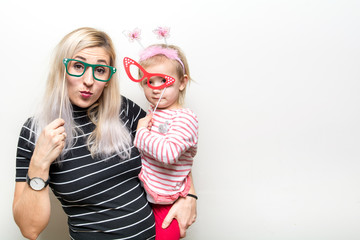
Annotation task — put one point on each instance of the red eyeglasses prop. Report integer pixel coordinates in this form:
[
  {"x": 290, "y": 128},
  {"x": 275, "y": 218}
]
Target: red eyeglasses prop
[{"x": 168, "y": 80}]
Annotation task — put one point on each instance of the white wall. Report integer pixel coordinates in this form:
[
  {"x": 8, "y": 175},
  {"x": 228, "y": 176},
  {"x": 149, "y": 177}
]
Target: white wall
[{"x": 277, "y": 94}]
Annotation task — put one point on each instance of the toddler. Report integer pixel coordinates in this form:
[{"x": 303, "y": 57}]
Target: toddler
[{"x": 167, "y": 137}]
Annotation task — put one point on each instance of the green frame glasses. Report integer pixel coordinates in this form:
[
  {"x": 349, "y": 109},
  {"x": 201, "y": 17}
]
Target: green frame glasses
[{"x": 103, "y": 70}]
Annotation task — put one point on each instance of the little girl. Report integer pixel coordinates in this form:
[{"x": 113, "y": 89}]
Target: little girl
[{"x": 167, "y": 137}]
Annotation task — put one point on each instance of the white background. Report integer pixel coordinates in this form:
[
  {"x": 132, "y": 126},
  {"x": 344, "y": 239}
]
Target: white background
[{"x": 277, "y": 93}]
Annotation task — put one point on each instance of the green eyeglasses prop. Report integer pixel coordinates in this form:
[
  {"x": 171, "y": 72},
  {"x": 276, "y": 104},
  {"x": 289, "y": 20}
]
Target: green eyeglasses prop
[{"x": 77, "y": 68}]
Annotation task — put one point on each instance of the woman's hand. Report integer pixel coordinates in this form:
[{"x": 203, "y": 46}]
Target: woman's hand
[
  {"x": 145, "y": 122},
  {"x": 49, "y": 144},
  {"x": 184, "y": 210}
]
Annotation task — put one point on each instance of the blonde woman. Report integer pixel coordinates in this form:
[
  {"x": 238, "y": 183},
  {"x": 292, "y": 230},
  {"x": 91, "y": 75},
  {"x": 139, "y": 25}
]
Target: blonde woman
[{"x": 86, "y": 156}]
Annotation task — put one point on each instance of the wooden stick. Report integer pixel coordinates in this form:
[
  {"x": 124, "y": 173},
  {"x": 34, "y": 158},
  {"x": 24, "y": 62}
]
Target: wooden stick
[
  {"x": 159, "y": 100},
  {"x": 62, "y": 94}
]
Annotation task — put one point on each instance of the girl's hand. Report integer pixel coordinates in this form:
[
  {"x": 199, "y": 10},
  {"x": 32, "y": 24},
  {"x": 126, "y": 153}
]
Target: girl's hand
[
  {"x": 49, "y": 144},
  {"x": 184, "y": 210},
  {"x": 146, "y": 122}
]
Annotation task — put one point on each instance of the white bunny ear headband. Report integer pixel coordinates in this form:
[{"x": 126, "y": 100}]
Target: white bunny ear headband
[{"x": 161, "y": 32}]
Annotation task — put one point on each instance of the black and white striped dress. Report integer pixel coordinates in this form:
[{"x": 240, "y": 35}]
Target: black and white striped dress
[{"x": 103, "y": 198}]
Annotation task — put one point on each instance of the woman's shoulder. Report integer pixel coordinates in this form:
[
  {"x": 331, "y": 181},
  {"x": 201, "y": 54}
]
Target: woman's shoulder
[
  {"x": 27, "y": 135},
  {"x": 130, "y": 108},
  {"x": 128, "y": 104},
  {"x": 28, "y": 121},
  {"x": 125, "y": 100},
  {"x": 28, "y": 125}
]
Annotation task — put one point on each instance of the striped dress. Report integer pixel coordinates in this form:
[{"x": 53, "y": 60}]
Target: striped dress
[
  {"x": 102, "y": 197},
  {"x": 167, "y": 153}
]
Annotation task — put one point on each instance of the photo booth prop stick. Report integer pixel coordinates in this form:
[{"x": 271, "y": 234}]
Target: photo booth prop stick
[
  {"x": 62, "y": 93},
  {"x": 128, "y": 62},
  {"x": 162, "y": 93}
]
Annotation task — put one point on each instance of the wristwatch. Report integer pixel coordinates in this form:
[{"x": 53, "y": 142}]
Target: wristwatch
[{"x": 36, "y": 183}]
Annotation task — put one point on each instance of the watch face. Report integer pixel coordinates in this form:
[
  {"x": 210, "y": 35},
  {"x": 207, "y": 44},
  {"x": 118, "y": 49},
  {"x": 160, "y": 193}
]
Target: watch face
[{"x": 37, "y": 183}]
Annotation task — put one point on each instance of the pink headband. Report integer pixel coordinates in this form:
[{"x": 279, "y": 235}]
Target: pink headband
[{"x": 157, "y": 50}]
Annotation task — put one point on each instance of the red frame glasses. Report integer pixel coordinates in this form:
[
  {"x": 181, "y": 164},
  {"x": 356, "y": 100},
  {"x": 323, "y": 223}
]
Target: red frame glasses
[{"x": 128, "y": 62}]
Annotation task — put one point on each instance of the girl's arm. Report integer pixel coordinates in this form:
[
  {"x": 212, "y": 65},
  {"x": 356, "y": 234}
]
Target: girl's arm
[
  {"x": 181, "y": 136},
  {"x": 184, "y": 210},
  {"x": 31, "y": 209}
]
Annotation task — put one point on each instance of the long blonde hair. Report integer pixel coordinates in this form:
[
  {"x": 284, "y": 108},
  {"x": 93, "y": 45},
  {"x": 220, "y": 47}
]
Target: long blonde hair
[{"x": 110, "y": 135}]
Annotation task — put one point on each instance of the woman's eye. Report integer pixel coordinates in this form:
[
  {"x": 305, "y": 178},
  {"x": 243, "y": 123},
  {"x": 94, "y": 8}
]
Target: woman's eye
[
  {"x": 78, "y": 66},
  {"x": 100, "y": 70}
]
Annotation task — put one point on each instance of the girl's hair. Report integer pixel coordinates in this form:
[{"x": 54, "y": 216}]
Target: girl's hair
[
  {"x": 181, "y": 70},
  {"x": 110, "y": 135}
]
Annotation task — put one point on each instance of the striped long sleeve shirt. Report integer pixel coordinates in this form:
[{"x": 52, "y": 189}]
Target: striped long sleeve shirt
[
  {"x": 102, "y": 197},
  {"x": 167, "y": 152}
]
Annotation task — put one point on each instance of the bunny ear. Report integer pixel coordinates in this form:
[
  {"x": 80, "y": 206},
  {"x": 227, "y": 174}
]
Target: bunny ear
[
  {"x": 162, "y": 32},
  {"x": 134, "y": 35}
]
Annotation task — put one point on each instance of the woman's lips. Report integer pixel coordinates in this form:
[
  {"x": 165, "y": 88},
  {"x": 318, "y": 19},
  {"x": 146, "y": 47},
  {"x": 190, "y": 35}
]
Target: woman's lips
[{"x": 85, "y": 94}]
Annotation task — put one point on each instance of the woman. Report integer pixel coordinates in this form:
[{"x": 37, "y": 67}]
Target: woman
[{"x": 86, "y": 156}]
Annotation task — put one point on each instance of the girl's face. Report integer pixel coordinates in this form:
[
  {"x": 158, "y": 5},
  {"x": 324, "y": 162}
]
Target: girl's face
[
  {"x": 170, "y": 99},
  {"x": 84, "y": 91}
]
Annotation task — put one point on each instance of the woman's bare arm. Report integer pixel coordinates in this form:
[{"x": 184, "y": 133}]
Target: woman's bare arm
[{"x": 31, "y": 208}]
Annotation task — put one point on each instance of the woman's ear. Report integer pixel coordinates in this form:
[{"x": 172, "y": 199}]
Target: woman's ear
[{"x": 184, "y": 82}]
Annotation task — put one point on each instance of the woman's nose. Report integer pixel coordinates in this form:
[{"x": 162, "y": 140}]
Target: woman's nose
[{"x": 88, "y": 77}]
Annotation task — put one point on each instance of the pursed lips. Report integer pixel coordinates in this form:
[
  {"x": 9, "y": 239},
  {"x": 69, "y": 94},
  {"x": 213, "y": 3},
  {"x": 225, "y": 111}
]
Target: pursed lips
[{"x": 86, "y": 94}]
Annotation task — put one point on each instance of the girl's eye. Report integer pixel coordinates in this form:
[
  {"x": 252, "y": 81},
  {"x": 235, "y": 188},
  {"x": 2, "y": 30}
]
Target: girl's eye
[{"x": 163, "y": 80}]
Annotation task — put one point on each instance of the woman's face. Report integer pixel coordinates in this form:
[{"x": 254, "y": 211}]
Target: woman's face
[{"x": 84, "y": 91}]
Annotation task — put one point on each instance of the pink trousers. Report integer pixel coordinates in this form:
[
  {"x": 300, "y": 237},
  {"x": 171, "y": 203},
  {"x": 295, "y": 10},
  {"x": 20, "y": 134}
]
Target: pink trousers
[{"x": 170, "y": 233}]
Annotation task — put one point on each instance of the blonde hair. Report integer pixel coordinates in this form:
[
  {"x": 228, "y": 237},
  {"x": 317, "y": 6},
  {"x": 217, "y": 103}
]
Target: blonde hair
[
  {"x": 110, "y": 135},
  {"x": 181, "y": 70}
]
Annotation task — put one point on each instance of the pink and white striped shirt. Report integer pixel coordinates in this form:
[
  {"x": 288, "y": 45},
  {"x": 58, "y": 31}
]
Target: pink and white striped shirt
[{"x": 167, "y": 153}]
